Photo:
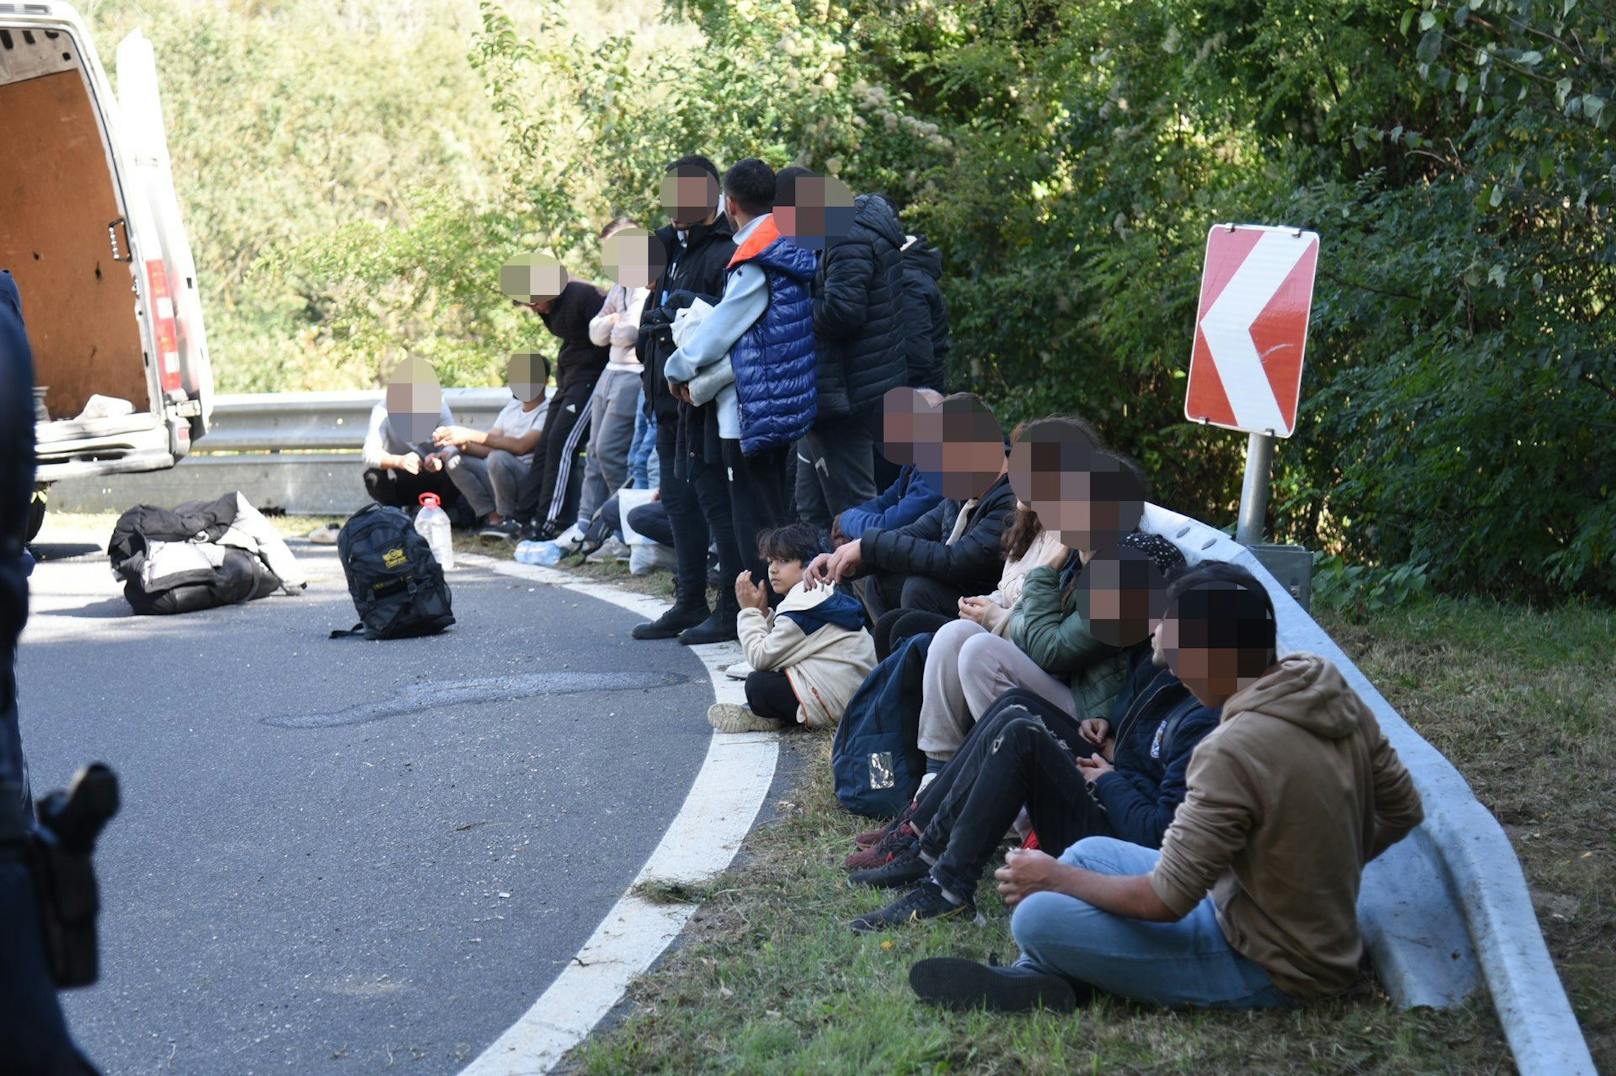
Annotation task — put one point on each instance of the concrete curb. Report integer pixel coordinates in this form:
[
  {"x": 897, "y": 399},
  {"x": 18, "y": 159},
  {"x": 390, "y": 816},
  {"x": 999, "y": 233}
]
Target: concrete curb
[
  {"x": 701, "y": 841},
  {"x": 1450, "y": 901}
]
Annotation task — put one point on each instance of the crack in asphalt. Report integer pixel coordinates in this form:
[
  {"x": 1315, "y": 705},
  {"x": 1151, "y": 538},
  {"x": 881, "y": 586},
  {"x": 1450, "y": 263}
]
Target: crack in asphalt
[{"x": 438, "y": 693}]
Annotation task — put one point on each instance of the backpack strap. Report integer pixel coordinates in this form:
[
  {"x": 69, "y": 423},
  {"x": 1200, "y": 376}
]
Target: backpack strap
[{"x": 348, "y": 633}]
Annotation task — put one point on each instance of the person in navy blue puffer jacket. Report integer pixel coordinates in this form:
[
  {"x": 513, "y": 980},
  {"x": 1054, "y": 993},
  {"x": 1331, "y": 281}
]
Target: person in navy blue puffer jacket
[{"x": 754, "y": 354}]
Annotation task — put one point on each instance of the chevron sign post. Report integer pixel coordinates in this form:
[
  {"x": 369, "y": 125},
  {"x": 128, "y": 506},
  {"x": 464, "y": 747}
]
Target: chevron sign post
[{"x": 1250, "y": 336}]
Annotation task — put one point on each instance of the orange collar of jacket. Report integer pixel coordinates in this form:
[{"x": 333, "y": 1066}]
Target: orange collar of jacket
[{"x": 762, "y": 236}]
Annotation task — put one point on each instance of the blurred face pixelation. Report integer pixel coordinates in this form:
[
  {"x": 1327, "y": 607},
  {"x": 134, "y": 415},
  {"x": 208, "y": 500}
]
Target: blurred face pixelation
[
  {"x": 525, "y": 373},
  {"x": 900, "y": 408},
  {"x": 971, "y": 456},
  {"x": 533, "y": 278},
  {"x": 818, "y": 212},
  {"x": 1121, "y": 598},
  {"x": 414, "y": 400},
  {"x": 689, "y": 196},
  {"x": 1085, "y": 496},
  {"x": 633, "y": 257},
  {"x": 1205, "y": 650}
]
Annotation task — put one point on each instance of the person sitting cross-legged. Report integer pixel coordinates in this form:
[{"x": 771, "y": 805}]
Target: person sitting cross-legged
[
  {"x": 808, "y": 656},
  {"x": 1252, "y": 900}
]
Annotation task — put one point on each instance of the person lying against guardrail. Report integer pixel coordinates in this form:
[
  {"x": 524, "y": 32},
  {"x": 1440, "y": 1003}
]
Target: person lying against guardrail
[
  {"x": 493, "y": 467},
  {"x": 400, "y": 460},
  {"x": 1252, "y": 900}
]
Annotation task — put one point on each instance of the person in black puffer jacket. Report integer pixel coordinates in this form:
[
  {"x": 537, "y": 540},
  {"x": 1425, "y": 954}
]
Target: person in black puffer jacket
[
  {"x": 925, "y": 310},
  {"x": 698, "y": 250},
  {"x": 859, "y": 328}
]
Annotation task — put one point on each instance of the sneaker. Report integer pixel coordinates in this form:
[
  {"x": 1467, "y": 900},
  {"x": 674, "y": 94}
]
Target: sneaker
[
  {"x": 506, "y": 530},
  {"x": 326, "y": 534},
  {"x": 898, "y": 840},
  {"x": 964, "y": 984},
  {"x": 925, "y": 901},
  {"x": 612, "y": 549},
  {"x": 739, "y": 671},
  {"x": 570, "y": 540},
  {"x": 728, "y": 717},
  {"x": 872, "y": 837},
  {"x": 717, "y": 628},
  {"x": 904, "y": 869},
  {"x": 672, "y": 622}
]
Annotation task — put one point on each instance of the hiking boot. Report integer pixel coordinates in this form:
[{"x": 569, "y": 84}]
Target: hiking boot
[
  {"x": 898, "y": 840},
  {"x": 925, "y": 901},
  {"x": 871, "y": 837},
  {"x": 718, "y": 628},
  {"x": 674, "y": 621},
  {"x": 506, "y": 530},
  {"x": 728, "y": 717},
  {"x": 964, "y": 984},
  {"x": 902, "y": 870}
]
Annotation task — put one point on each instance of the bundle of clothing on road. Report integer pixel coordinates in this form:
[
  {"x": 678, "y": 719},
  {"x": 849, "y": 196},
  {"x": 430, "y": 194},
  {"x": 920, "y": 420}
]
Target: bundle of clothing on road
[{"x": 199, "y": 555}]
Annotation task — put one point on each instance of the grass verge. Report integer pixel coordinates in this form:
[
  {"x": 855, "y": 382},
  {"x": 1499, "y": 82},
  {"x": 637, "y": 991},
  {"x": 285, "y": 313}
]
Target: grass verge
[{"x": 768, "y": 978}]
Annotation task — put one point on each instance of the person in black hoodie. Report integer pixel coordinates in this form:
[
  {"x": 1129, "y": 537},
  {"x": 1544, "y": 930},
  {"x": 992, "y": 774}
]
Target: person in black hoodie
[
  {"x": 925, "y": 310},
  {"x": 1123, "y": 778},
  {"x": 859, "y": 328},
  {"x": 699, "y": 244},
  {"x": 955, "y": 549},
  {"x": 566, "y": 426}
]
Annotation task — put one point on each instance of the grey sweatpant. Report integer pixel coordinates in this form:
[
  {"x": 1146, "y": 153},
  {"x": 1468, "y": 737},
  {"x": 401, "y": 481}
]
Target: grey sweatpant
[
  {"x": 611, "y": 431},
  {"x": 490, "y": 484},
  {"x": 967, "y": 669}
]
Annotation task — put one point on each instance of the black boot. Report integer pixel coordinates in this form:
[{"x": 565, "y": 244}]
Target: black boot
[
  {"x": 718, "y": 628},
  {"x": 684, "y": 614}
]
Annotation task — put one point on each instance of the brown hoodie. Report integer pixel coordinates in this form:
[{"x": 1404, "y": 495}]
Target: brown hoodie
[{"x": 1292, "y": 793}]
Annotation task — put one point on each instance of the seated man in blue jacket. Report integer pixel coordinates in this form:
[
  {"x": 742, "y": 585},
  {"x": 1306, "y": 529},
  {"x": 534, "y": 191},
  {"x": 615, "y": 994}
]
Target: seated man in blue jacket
[
  {"x": 1120, "y": 778},
  {"x": 913, "y": 493}
]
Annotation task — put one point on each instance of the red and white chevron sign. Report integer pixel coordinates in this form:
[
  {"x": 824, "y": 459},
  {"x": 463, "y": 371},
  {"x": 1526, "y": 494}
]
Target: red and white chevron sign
[{"x": 1251, "y": 328}]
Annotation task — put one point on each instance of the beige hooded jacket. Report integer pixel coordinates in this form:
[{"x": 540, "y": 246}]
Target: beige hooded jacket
[
  {"x": 817, "y": 638},
  {"x": 1292, "y": 793}
]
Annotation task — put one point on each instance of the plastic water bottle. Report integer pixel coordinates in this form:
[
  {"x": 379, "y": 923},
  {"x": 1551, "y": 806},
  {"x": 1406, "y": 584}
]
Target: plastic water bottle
[{"x": 432, "y": 523}]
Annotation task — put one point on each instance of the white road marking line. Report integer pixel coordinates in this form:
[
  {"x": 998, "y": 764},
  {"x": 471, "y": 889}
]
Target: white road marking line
[{"x": 701, "y": 841}]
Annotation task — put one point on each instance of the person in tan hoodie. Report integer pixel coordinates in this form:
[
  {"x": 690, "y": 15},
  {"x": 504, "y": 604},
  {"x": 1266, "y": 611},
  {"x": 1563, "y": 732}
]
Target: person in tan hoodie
[{"x": 1252, "y": 900}]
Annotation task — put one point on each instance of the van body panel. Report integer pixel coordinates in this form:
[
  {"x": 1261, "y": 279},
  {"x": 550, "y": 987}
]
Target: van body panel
[{"x": 91, "y": 287}]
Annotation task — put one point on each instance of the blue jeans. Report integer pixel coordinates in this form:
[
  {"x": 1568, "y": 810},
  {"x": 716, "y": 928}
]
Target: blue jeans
[{"x": 1187, "y": 964}]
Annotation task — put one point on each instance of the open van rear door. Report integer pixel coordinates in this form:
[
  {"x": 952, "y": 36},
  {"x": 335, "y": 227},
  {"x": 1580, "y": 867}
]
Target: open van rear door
[{"x": 170, "y": 271}]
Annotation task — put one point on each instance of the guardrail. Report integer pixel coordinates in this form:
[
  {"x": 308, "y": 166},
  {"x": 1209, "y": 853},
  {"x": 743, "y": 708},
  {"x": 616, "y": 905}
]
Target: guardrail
[{"x": 1444, "y": 911}]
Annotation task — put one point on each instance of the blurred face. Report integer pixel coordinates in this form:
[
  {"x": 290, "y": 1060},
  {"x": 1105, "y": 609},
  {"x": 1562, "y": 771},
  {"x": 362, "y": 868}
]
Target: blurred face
[
  {"x": 1211, "y": 673},
  {"x": 633, "y": 257},
  {"x": 972, "y": 455},
  {"x": 689, "y": 196},
  {"x": 1120, "y": 599},
  {"x": 898, "y": 409},
  {"x": 414, "y": 401},
  {"x": 784, "y": 574},
  {"x": 533, "y": 279},
  {"x": 526, "y": 374},
  {"x": 1089, "y": 499},
  {"x": 820, "y": 211}
]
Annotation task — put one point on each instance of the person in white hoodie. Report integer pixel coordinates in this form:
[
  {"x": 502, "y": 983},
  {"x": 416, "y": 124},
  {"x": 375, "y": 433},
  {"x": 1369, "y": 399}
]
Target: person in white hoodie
[{"x": 808, "y": 656}]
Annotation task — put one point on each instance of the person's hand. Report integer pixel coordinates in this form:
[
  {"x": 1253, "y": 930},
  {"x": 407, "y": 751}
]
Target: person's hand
[
  {"x": 459, "y": 436},
  {"x": 836, "y": 535},
  {"x": 656, "y": 494},
  {"x": 410, "y": 462},
  {"x": 1026, "y": 871},
  {"x": 749, "y": 594},
  {"x": 433, "y": 463},
  {"x": 975, "y": 609},
  {"x": 680, "y": 390},
  {"x": 818, "y": 572},
  {"x": 1096, "y": 730},
  {"x": 1056, "y": 557},
  {"x": 845, "y": 561},
  {"x": 1093, "y": 768}
]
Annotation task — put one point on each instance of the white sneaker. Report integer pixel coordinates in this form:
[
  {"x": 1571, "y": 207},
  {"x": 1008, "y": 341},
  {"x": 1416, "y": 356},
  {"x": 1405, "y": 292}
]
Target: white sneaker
[
  {"x": 570, "y": 540},
  {"x": 728, "y": 717},
  {"x": 613, "y": 548},
  {"x": 739, "y": 671}
]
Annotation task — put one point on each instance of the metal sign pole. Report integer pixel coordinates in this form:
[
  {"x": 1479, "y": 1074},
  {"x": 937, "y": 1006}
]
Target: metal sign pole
[{"x": 1254, "y": 493}]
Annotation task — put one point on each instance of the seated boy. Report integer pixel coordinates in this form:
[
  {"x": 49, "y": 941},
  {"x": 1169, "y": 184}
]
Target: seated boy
[{"x": 809, "y": 656}]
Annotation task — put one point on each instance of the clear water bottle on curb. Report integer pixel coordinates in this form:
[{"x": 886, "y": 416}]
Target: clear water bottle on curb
[{"x": 432, "y": 523}]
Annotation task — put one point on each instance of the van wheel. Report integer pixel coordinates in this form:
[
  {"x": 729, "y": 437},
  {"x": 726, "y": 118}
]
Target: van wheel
[{"x": 36, "y": 511}]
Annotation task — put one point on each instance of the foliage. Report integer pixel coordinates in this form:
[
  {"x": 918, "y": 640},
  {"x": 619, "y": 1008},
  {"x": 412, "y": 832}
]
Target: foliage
[
  {"x": 1358, "y": 591},
  {"x": 1068, "y": 158}
]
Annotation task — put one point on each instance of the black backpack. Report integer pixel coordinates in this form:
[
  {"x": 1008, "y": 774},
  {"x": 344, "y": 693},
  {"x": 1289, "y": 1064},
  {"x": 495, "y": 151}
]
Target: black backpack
[{"x": 395, "y": 581}]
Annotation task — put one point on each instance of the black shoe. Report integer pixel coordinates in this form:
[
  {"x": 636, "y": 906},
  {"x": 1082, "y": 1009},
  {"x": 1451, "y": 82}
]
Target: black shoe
[
  {"x": 965, "y": 984},
  {"x": 504, "y": 531},
  {"x": 903, "y": 870},
  {"x": 672, "y": 622},
  {"x": 924, "y": 901},
  {"x": 717, "y": 628}
]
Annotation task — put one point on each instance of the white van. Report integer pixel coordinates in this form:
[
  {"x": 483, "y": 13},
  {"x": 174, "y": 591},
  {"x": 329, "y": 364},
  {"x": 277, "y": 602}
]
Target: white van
[{"x": 90, "y": 228}]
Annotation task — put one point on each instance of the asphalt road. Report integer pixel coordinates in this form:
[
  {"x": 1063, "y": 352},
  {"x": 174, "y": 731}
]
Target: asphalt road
[{"x": 345, "y": 856}]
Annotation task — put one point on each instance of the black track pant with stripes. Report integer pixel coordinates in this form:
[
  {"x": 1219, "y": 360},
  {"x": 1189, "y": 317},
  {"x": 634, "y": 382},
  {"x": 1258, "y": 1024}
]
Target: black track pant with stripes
[{"x": 566, "y": 432}]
